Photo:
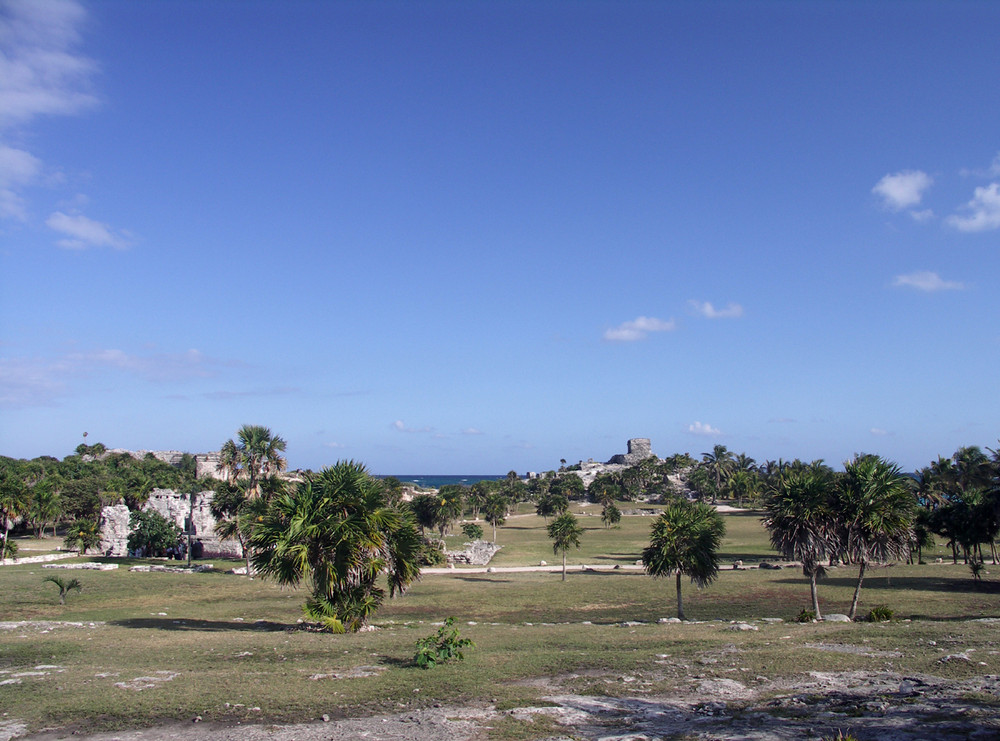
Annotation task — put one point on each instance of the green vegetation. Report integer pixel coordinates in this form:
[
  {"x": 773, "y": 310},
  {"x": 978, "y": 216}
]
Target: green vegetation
[
  {"x": 64, "y": 586},
  {"x": 336, "y": 532},
  {"x": 443, "y": 646},
  {"x": 685, "y": 541},
  {"x": 565, "y": 532}
]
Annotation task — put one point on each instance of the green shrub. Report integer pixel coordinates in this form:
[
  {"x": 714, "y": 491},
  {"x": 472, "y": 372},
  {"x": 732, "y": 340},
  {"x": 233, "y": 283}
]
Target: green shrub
[
  {"x": 441, "y": 647},
  {"x": 472, "y": 531},
  {"x": 432, "y": 552},
  {"x": 806, "y": 616},
  {"x": 880, "y": 614}
]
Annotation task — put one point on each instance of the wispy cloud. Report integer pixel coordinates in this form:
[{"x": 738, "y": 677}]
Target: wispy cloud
[
  {"x": 706, "y": 309},
  {"x": 471, "y": 431},
  {"x": 704, "y": 430},
  {"x": 30, "y": 382},
  {"x": 992, "y": 171},
  {"x": 223, "y": 395},
  {"x": 926, "y": 280},
  {"x": 18, "y": 168},
  {"x": 902, "y": 189},
  {"x": 879, "y": 432},
  {"x": 82, "y": 232},
  {"x": 399, "y": 426},
  {"x": 638, "y": 329},
  {"x": 41, "y": 72},
  {"x": 982, "y": 213}
]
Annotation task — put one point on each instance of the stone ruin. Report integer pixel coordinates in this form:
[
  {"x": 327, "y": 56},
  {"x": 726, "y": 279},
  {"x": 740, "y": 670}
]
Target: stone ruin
[
  {"x": 207, "y": 464},
  {"x": 185, "y": 512},
  {"x": 639, "y": 449}
]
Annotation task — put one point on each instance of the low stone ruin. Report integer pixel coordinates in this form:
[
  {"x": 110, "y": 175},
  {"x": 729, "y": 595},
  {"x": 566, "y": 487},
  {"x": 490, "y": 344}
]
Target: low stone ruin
[{"x": 476, "y": 553}]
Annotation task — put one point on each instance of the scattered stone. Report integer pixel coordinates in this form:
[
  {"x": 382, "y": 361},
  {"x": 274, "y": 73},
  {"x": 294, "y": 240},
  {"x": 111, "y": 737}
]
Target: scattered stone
[
  {"x": 89, "y": 566},
  {"x": 743, "y": 626},
  {"x": 669, "y": 620},
  {"x": 836, "y": 617},
  {"x": 964, "y": 656}
]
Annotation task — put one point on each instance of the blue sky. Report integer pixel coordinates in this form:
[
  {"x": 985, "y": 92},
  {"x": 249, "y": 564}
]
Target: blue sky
[{"x": 455, "y": 237}]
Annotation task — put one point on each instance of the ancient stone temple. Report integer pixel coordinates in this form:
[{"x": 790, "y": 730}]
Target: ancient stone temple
[{"x": 639, "y": 449}]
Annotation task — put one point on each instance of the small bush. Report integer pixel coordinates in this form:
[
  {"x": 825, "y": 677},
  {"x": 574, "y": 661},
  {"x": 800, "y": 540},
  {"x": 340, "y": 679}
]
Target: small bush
[
  {"x": 806, "y": 616},
  {"x": 472, "y": 531},
  {"x": 880, "y": 614},
  {"x": 441, "y": 647},
  {"x": 432, "y": 552}
]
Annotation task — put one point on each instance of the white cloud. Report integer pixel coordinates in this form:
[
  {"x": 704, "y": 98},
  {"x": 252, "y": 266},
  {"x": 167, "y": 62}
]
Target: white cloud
[
  {"x": 471, "y": 431},
  {"x": 84, "y": 232},
  {"x": 983, "y": 211},
  {"x": 879, "y": 432},
  {"x": 638, "y": 329},
  {"x": 31, "y": 382},
  {"x": 925, "y": 280},
  {"x": 706, "y": 309},
  {"x": 17, "y": 169},
  {"x": 41, "y": 73},
  {"x": 334, "y": 445},
  {"x": 399, "y": 426},
  {"x": 705, "y": 430},
  {"x": 923, "y": 215},
  {"x": 990, "y": 172},
  {"x": 903, "y": 189}
]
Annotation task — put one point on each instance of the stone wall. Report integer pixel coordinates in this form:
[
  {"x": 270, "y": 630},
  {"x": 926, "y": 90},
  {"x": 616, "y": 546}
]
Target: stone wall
[
  {"x": 207, "y": 464},
  {"x": 639, "y": 449},
  {"x": 176, "y": 507}
]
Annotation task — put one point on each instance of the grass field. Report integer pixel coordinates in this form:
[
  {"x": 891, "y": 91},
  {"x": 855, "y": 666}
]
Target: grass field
[{"x": 154, "y": 646}]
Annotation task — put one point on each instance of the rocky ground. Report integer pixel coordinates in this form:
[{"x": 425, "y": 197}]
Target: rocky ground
[{"x": 819, "y": 705}]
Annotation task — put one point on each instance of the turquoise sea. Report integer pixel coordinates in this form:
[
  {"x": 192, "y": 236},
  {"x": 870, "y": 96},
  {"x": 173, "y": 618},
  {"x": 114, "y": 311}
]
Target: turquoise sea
[{"x": 431, "y": 481}]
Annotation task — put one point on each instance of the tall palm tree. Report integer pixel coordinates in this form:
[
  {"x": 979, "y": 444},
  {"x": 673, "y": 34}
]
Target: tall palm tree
[
  {"x": 14, "y": 502},
  {"x": 801, "y": 521},
  {"x": 495, "y": 511},
  {"x": 565, "y": 532},
  {"x": 875, "y": 507},
  {"x": 685, "y": 540},
  {"x": 720, "y": 463},
  {"x": 256, "y": 456},
  {"x": 336, "y": 532}
]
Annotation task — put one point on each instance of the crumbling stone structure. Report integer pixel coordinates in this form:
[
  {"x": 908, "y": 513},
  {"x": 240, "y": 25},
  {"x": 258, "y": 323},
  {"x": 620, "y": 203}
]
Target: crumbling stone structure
[
  {"x": 187, "y": 511},
  {"x": 639, "y": 449}
]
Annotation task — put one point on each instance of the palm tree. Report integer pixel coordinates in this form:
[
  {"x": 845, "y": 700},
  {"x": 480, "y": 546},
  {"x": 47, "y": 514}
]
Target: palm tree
[
  {"x": 495, "y": 511},
  {"x": 685, "y": 540},
  {"x": 64, "y": 586},
  {"x": 14, "y": 502},
  {"x": 565, "y": 532},
  {"x": 610, "y": 514},
  {"x": 255, "y": 457},
  {"x": 742, "y": 484},
  {"x": 875, "y": 508},
  {"x": 336, "y": 532},
  {"x": 720, "y": 464},
  {"x": 800, "y": 518}
]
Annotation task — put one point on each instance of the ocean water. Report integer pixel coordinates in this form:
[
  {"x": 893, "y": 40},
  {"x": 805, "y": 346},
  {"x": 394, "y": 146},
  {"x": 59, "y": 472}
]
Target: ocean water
[{"x": 430, "y": 481}]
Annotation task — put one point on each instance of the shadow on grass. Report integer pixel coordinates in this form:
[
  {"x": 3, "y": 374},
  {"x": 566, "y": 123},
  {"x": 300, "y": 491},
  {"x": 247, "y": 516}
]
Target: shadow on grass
[
  {"x": 209, "y": 626},
  {"x": 915, "y": 583}
]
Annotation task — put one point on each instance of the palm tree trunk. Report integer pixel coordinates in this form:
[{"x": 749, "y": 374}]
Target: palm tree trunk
[
  {"x": 815, "y": 594},
  {"x": 564, "y": 566},
  {"x": 857, "y": 590},
  {"x": 680, "y": 601}
]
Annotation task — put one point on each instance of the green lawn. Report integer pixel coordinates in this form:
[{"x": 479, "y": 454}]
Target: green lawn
[{"x": 219, "y": 645}]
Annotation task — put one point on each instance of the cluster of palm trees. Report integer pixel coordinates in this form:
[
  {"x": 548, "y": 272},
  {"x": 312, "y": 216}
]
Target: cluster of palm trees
[
  {"x": 862, "y": 516},
  {"x": 336, "y": 530}
]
